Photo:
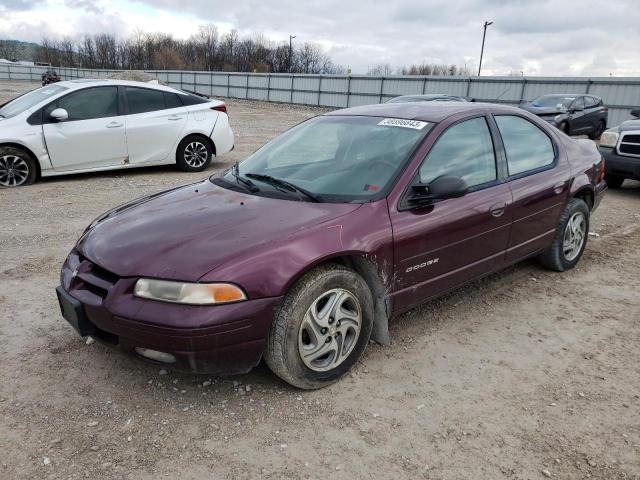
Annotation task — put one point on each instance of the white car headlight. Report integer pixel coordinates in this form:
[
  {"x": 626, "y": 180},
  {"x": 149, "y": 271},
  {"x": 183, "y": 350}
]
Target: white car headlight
[
  {"x": 609, "y": 139},
  {"x": 188, "y": 293}
]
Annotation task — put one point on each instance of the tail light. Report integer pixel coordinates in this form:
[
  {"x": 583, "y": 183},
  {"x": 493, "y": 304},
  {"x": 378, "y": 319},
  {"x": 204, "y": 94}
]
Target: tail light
[
  {"x": 220, "y": 108},
  {"x": 601, "y": 172}
]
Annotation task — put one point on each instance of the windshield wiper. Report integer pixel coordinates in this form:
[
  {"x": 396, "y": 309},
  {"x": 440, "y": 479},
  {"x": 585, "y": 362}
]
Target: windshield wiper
[
  {"x": 283, "y": 183},
  {"x": 248, "y": 184}
]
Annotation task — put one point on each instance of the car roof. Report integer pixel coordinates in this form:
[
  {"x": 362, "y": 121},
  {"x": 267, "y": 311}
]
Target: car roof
[
  {"x": 86, "y": 83},
  {"x": 425, "y": 111}
]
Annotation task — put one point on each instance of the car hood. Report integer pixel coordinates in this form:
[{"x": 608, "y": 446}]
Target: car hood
[
  {"x": 629, "y": 125},
  {"x": 542, "y": 110},
  {"x": 184, "y": 233}
]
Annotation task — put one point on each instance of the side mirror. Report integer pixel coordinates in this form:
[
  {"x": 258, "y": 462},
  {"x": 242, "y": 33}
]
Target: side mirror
[
  {"x": 440, "y": 188},
  {"x": 636, "y": 112},
  {"x": 577, "y": 108},
  {"x": 59, "y": 115}
]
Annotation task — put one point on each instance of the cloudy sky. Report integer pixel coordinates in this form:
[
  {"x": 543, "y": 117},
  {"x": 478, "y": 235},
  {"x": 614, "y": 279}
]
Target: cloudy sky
[{"x": 538, "y": 37}]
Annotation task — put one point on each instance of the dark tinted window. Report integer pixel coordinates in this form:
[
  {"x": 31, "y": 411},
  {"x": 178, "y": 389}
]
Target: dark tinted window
[
  {"x": 465, "y": 150},
  {"x": 590, "y": 102},
  {"x": 578, "y": 104},
  {"x": 98, "y": 102},
  {"x": 171, "y": 100},
  {"x": 140, "y": 100},
  {"x": 527, "y": 147},
  {"x": 191, "y": 99}
]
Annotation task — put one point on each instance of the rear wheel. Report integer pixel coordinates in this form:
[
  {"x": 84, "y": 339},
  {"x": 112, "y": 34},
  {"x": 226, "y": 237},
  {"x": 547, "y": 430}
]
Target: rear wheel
[
  {"x": 17, "y": 167},
  {"x": 194, "y": 154},
  {"x": 570, "y": 238},
  {"x": 597, "y": 132},
  {"x": 321, "y": 329},
  {"x": 613, "y": 181}
]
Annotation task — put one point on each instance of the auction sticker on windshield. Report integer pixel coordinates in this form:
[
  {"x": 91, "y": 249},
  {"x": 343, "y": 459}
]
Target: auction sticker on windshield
[{"x": 401, "y": 122}]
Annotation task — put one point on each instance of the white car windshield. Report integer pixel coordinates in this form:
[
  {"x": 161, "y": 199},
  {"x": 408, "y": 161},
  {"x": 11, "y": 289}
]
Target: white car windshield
[{"x": 29, "y": 100}]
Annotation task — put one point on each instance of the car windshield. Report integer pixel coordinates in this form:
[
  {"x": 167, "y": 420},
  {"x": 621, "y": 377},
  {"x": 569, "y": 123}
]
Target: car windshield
[
  {"x": 554, "y": 101},
  {"x": 28, "y": 100},
  {"x": 331, "y": 158}
]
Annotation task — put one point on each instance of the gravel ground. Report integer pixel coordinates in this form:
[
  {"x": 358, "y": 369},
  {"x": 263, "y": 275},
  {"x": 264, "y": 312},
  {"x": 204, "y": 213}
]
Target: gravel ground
[{"x": 525, "y": 374}]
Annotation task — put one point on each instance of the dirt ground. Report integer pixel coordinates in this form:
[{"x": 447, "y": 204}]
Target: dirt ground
[{"x": 525, "y": 374}]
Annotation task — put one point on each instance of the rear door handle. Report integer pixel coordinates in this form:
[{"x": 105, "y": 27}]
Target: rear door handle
[
  {"x": 498, "y": 209},
  {"x": 173, "y": 119},
  {"x": 114, "y": 125}
]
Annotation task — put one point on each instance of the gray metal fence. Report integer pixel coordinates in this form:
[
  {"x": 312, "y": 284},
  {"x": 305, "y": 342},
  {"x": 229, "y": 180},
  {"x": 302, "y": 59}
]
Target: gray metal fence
[{"x": 339, "y": 91}]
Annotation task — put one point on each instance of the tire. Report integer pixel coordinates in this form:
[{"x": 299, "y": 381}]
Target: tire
[
  {"x": 326, "y": 290},
  {"x": 613, "y": 181},
  {"x": 194, "y": 154},
  {"x": 566, "y": 250},
  {"x": 17, "y": 168},
  {"x": 564, "y": 127},
  {"x": 597, "y": 132}
]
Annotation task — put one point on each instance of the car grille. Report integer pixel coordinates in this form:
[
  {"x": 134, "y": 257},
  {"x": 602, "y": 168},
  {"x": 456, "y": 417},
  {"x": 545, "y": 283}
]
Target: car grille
[
  {"x": 630, "y": 144},
  {"x": 93, "y": 279}
]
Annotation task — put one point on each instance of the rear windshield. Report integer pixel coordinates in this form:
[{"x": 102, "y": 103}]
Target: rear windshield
[{"x": 29, "y": 100}]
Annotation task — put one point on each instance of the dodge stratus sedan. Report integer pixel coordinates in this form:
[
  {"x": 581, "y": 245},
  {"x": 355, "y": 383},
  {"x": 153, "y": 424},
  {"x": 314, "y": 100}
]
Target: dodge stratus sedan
[
  {"x": 93, "y": 125},
  {"x": 302, "y": 252}
]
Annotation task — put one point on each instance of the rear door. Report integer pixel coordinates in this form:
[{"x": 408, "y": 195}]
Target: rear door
[
  {"x": 94, "y": 134},
  {"x": 452, "y": 241},
  {"x": 580, "y": 121},
  {"x": 155, "y": 122},
  {"x": 539, "y": 181}
]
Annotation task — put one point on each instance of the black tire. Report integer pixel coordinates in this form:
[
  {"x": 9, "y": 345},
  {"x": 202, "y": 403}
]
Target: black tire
[
  {"x": 191, "y": 152},
  {"x": 554, "y": 257},
  {"x": 564, "y": 127},
  {"x": 282, "y": 352},
  {"x": 597, "y": 132},
  {"x": 17, "y": 167},
  {"x": 613, "y": 181}
]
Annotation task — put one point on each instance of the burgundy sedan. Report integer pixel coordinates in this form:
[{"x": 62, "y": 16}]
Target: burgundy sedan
[{"x": 302, "y": 252}]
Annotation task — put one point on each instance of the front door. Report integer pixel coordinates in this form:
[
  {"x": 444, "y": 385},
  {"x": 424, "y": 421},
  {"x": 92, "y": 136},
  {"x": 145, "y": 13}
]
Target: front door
[
  {"x": 93, "y": 135},
  {"x": 455, "y": 240}
]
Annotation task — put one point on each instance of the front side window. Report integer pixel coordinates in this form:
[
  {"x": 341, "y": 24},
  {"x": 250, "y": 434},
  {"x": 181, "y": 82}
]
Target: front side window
[
  {"x": 87, "y": 104},
  {"x": 141, "y": 100},
  {"x": 465, "y": 150},
  {"x": 590, "y": 102},
  {"x": 527, "y": 147},
  {"x": 578, "y": 104},
  {"x": 337, "y": 158}
]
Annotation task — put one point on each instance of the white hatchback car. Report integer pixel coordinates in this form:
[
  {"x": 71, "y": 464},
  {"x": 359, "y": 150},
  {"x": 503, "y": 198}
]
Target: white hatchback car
[{"x": 94, "y": 125}]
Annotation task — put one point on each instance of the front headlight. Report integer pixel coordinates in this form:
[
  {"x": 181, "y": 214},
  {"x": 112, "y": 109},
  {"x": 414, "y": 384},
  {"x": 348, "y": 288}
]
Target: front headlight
[
  {"x": 609, "y": 139},
  {"x": 188, "y": 293}
]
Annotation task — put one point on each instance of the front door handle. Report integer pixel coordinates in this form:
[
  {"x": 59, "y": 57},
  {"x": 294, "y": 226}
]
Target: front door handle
[
  {"x": 558, "y": 188},
  {"x": 498, "y": 209},
  {"x": 173, "y": 119},
  {"x": 114, "y": 125}
]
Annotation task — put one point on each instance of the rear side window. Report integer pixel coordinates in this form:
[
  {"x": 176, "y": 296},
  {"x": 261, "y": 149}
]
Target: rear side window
[
  {"x": 465, "y": 150},
  {"x": 578, "y": 103},
  {"x": 171, "y": 100},
  {"x": 98, "y": 102},
  {"x": 141, "y": 100},
  {"x": 590, "y": 102},
  {"x": 191, "y": 99},
  {"x": 527, "y": 147}
]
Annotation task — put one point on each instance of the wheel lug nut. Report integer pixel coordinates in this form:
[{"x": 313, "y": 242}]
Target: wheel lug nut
[
  {"x": 338, "y": 323},
  {"x": 331, "y": 319},
  {"x": 323, "y": 330},
  {"x": 328, "y": 340}
]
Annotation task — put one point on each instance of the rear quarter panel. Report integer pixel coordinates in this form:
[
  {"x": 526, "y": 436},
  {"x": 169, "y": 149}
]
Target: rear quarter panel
[{"x": 585, "y": 161}]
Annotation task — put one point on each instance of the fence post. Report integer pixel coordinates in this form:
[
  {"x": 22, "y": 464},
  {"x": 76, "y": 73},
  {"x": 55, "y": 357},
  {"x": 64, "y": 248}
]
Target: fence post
[
  {"x": 268, "y": 87},
  {"x": 424, "y": 85},
  {"x": 524, "y": 84},
  {"x": 291, "y": 92},
  {"x": 468, "y": 85},
  {"x": 589, "y": 82},
  {"x": 381, "y": 89},
  {"x": 181, "y": 77},
  {"x": 228, "y": 87},
  {"x": 319, "y": 89},
  {"x": 9, "y": 71},
  {"x": 348, "y": 90},
  {"x": 246, "y": 88}
]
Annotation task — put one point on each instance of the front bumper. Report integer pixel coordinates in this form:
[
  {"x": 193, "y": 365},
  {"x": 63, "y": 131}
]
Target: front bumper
[
  {"x": 619, "y": 165},
  {"x": 220, "y": 339}
]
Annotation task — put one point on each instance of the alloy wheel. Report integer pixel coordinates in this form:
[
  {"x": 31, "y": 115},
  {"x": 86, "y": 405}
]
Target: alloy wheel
[
  {"x": 195, "y": 154},
  {"x": 14, "y": 171},
  {"x": 329, "y": 330},
  {"x": 574, "y": 236}
]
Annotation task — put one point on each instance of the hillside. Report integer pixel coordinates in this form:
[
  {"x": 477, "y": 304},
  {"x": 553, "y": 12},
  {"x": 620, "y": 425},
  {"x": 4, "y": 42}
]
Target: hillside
[{"x": 16, "y": 50}]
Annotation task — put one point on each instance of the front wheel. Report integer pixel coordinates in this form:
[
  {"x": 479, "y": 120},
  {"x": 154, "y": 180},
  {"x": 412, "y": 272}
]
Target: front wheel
[
  {"x": 17, "y": 167},
  {"x": 322, "y": 328},
  {"x": 597, "y": 131},
  {"x": 570, "y": 238},
  {"x": 194, "y": 154}
]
